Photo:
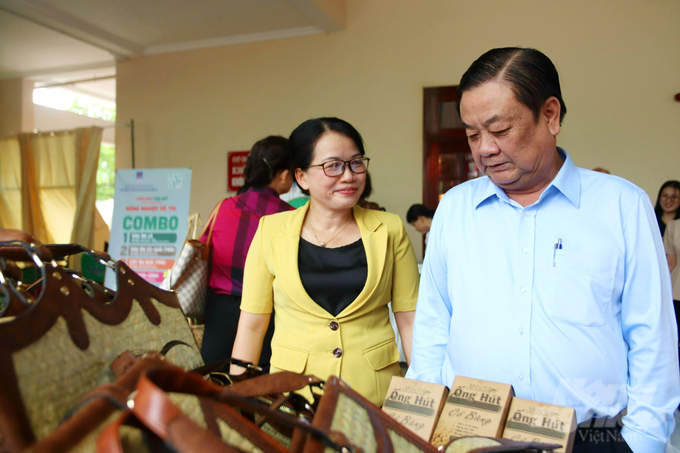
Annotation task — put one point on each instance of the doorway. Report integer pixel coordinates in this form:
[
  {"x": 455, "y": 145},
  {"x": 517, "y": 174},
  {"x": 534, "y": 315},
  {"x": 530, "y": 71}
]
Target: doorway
[{"x": 447, "y": 160}]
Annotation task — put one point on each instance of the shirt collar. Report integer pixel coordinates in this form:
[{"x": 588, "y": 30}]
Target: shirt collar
[
  {"x": 567, "y": 181},
  {"x": 265, "y": 190}
]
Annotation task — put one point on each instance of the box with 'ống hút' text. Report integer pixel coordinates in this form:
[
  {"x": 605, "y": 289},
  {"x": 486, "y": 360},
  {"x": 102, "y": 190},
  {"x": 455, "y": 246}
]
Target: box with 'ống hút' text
[
  {"x": 415, "y": 404},
  {"x": 473, "y": 408},
  {"x": 541, "y": 422}
]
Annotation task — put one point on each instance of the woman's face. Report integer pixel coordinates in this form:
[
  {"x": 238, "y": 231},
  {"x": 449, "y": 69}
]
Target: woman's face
[
  {"x": 670, "y": 199},
  {"x": 334, "y": 193}
]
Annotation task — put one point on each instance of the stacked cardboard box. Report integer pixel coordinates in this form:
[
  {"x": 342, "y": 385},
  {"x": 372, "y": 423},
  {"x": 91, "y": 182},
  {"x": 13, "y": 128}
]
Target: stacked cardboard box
[
  {"x": 473, "y": 408},
  {"x": 414, "y": 404},
  {"x": 541, "y": 422}
]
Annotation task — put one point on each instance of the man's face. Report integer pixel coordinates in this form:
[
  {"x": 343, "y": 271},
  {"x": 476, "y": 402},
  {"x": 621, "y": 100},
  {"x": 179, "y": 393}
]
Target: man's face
[
  {"x": 514, "y": 150},
  {"x": 421, "y": 225}
]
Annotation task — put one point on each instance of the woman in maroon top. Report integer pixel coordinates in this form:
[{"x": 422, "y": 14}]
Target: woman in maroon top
[{"x": 268, "y": 174}]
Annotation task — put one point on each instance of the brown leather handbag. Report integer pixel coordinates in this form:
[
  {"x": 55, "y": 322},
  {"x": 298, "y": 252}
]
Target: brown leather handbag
[{"x": 190, "y": 414}]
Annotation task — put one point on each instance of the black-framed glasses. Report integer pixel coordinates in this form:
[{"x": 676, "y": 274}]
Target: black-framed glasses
[{"x": 334, "y": 168}]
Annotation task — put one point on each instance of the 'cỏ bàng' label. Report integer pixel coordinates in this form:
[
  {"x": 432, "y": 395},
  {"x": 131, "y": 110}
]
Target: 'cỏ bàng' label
[
  {"x": 414, "y": 404},
  {"x": 473, "y": 407}
]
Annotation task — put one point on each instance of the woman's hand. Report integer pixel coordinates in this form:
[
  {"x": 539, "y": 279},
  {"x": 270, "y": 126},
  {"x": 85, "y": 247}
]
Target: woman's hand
[
  {"x": 405, "y": 325},
  {"x": 249, "y": 337}
]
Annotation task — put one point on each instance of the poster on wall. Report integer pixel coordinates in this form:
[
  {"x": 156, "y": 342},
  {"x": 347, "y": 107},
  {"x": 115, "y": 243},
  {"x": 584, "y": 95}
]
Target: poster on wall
[
  {"x": 150, "y": 210},
  {"x": 236, "y": 166}
]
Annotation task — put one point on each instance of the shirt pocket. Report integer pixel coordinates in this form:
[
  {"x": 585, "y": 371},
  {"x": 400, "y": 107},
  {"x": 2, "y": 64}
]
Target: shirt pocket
[
  {"x": 581, "y": 287},
  {"x": 289, "y": 358},
  {"x": 382, "y": 354}
]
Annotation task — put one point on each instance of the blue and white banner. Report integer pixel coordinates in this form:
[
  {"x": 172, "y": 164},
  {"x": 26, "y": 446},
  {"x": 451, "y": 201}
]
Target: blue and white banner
[{"x": 150, "y": 210}]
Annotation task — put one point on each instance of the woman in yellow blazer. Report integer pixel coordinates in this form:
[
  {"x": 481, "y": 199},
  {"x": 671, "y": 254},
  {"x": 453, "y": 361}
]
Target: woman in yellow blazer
[{"x": 328, "y": 271}]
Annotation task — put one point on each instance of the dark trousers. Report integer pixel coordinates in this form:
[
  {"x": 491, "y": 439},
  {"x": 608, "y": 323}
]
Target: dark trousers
[
  {"x": 601, "y": 436},
  {"x": 222, "y": 313}
]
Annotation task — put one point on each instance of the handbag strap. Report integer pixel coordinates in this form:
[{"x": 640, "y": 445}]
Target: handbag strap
[
  {"x": 192, "y": 221},
  {"x": 251, "y": 370},
  {"x": 265, "y": 384},
  {"x": 20, "y": 249},
  {"x": 274, "y": 383},
  {"x": 205, "y": 254},
  {"x": 174, "y": 379},
  {"x": 60, "y": 251}
]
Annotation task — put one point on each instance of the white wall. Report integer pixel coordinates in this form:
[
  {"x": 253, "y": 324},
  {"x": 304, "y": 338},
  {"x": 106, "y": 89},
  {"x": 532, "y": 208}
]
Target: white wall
[
  {"x": 16, "y": 106},
  {"x": 619, "y": 62}
]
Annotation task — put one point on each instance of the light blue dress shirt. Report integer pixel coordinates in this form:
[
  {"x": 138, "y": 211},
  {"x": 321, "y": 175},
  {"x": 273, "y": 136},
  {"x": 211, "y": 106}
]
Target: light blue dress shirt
[{"x": 589, "y": 325}]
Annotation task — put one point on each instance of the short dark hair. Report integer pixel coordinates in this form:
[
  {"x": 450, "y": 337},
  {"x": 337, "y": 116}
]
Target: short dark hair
[
  {"x": 657, "y": 208},
  {"x": 304, "y": 138},
  {"x": 418, "y": 210},
  {"x": 267, "y": 158},
  {"x": 529, "y": 72}
]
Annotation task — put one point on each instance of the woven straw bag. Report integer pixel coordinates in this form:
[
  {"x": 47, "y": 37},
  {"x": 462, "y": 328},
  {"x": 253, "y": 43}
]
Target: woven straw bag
[
  {"x": 190, "y": 275},
  {"x": 64, "y": 344},
  {"x": 79, "y": 432}
]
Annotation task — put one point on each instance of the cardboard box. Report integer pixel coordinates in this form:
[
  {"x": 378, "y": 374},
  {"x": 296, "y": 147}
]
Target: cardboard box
[
  {"x": 541, "y": 422},
  {"x": 473, "y": 408},
  {"x": 415, "y": 404}
]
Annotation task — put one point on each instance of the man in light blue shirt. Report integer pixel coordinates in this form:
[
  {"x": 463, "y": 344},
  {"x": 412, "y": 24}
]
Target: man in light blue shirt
[{"x": 544, "y": 275}]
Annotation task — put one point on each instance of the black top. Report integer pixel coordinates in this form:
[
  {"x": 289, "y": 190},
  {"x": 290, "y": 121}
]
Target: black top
[{"x": 333, "y": 278}]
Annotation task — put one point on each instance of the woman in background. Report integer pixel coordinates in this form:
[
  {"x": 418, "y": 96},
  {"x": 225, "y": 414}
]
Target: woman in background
[
  {"x": 268, "y": 174},
  {"x": 328, "y": 270},
  {"x": 667, "y": 204},
  {"x": 420, "y": 216}
]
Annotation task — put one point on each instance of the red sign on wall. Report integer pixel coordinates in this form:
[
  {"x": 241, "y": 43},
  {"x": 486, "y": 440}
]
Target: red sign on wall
[{"x": 236, "y": 165}]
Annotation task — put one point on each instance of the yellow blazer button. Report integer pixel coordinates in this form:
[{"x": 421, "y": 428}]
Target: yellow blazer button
[
  {"x": 334, "y": 325},
  {"x": 337, "y": 352}
]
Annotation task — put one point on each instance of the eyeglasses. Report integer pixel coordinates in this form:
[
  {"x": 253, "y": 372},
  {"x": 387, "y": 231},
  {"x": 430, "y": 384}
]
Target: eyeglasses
[
  {"x": 335, "y": 168},
  {"x": 670, "y": 197}
]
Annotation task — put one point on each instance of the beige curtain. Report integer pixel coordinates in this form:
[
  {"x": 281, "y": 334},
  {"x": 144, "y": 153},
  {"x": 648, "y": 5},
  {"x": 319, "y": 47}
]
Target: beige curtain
[
  {"x": 32, "y": 219},
  {"x": 87, "y": 144},
  {"x": 54, "y": 157},
  {"x": 48, "y": 184},
  {"x": 10, "y": 184}
]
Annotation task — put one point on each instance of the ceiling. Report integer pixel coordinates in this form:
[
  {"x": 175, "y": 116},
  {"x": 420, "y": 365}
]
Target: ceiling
[{"x": 61, "y": 41}]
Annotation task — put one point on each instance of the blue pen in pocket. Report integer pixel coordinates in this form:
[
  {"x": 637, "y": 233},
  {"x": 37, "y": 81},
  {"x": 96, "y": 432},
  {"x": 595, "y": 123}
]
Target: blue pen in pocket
[{"x": 558, "y": 246}]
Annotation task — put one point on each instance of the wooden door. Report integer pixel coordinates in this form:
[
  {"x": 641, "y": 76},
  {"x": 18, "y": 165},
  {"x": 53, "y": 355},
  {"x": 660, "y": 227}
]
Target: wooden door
[{"x": 447, "y": 160}]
